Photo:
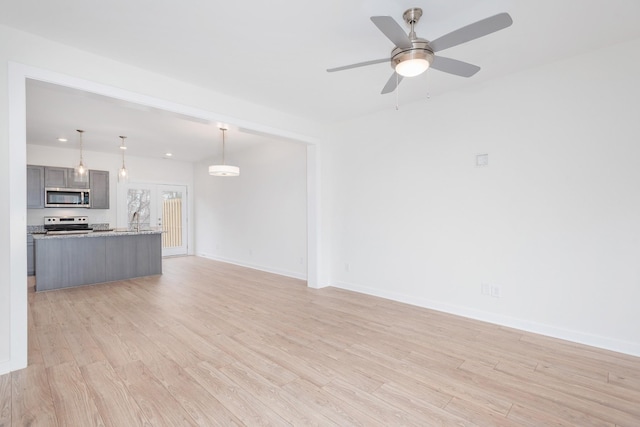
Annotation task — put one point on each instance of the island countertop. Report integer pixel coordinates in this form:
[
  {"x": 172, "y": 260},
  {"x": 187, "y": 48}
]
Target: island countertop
[{"x": 98, "y": 233}]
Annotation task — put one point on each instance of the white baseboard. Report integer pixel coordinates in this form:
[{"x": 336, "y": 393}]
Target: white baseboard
[
  {"x": 286, "y": 273},
  {"x": 620, "y": 346}
]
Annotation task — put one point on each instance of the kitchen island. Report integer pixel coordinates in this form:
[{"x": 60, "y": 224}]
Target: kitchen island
[{"x": 63, "y": 261}]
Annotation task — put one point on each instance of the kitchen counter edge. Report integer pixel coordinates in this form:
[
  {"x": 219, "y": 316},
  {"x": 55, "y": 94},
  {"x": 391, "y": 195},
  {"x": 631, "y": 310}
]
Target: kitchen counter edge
[{"x": 114, "y": 233}]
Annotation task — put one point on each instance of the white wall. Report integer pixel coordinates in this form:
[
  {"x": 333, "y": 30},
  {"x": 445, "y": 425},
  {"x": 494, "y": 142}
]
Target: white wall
[
  {"x": 142, "y": 170},
  {"x": 257, "y": 219},
  {"x": 26, "y": 56},
  {"x": 553, "y": 221}
]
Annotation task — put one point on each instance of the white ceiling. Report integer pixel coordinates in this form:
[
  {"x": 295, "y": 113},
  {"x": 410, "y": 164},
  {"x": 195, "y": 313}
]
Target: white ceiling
[
  {"x": 276, "y": 53},
  {"x": 56, "y": 112}
]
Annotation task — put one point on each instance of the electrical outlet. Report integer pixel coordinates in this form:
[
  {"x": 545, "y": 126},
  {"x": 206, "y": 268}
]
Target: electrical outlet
[
  {"x": 495, "y": 291},
  {"x": 485, "y": 289}
]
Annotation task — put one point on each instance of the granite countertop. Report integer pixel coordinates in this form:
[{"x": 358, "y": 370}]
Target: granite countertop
[{"x": 99, "y": 233}]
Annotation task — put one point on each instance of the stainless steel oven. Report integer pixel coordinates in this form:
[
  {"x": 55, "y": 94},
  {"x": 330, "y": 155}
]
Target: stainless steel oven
[
  {"x": 66, "y": 198},
  {"x": 67, "y": 225}
]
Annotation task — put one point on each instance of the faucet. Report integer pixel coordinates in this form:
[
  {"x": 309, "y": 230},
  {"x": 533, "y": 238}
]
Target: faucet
[{"x": 136, "y": 218}]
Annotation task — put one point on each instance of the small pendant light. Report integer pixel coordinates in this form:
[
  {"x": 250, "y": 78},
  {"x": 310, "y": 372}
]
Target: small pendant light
[
  {"x": 123, "y": 173},
  {"x": 223, "y": 169},
  {"x": 81, "y": 173}
]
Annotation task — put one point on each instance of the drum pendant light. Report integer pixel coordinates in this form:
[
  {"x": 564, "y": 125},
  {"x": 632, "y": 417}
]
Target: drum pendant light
[{"x": 223, "y": 169}]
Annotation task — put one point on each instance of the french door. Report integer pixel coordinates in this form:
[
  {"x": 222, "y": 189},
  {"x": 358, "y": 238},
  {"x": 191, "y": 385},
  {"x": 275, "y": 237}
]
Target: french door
[{"x": 156, "y": 205}]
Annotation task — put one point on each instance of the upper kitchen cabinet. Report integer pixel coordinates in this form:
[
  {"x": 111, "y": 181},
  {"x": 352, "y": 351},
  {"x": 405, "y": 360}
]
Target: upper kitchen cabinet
[
  {"x": 99, "y": 186},
  {"x": 35, "y": 187},
  {"x": 72, "y": 183},
  {"x": 41, "y": 177},
  {"x": 55, "y": 177},
  {"x": 62, "y": 178}
]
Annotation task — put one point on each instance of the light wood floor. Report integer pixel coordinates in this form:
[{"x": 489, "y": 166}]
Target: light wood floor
[{"x": 210, "y": 344}]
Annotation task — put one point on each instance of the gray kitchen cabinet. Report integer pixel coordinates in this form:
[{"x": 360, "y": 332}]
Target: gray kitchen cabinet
[
  {"x": 55, "y": 177},
  {"x": 133, "y": 256},
  {"x": 69, "y": 262},
  {"x": 99, "y": 185},
  {"x": 35, "y": 187},
  {"x": 66, "y": 261},
  {"x": 31, "y": 256},
  {"x": 71, "y": 180}
]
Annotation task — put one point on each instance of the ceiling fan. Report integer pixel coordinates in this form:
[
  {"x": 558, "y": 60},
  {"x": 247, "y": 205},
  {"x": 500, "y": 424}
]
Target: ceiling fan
[{"x": 413, "y": 55}]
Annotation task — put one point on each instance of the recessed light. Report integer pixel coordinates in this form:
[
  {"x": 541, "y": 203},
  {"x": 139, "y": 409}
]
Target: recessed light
[
  {"x": 168, "y": 154},
  {"x": 123, "y": 147},
  {"x": 62, "y": 139}
]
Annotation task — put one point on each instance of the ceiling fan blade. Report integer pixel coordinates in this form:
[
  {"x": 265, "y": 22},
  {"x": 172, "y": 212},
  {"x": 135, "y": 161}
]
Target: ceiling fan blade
[
  {"x": 392, "y": 83},
  {"x": 453, "y": 66},
  {"x": 392, "y": 30},
  {"x": 359, "y": 64},
  {"x": 472, "y": 31}
]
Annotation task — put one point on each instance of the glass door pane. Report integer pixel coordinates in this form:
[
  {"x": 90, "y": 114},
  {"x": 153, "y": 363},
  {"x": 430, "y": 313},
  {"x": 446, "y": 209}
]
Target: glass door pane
[
  {"x": 138, "y": 209},
  {"x": 172, "y": 199}
]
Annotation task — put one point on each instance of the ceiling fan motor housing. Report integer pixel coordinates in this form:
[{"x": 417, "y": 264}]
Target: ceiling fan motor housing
[{"x": 419, "y": 50}]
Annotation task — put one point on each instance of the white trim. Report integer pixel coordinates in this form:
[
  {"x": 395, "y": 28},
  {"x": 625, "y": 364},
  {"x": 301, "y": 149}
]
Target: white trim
[
  {"x": 17, "y": 217},
  {"x": 313, "y": 218},
  {"x": 606, "y": 343},
  {"x": 256, "y": 267},
  {"x": 17, "y": 75}
]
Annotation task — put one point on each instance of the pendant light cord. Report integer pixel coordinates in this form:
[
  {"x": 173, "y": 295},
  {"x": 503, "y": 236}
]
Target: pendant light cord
[
  {"x": 122, "y": 148},
  {"x": 80, "y": 131},
  {"x": 223, "y": 131}
]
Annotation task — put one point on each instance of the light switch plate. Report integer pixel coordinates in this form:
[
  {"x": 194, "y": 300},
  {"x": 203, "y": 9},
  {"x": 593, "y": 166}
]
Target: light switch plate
[{"x": 482, "y": 160}]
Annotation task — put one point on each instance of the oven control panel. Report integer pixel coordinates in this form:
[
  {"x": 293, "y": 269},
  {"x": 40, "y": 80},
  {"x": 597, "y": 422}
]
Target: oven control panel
[{"x": 61, "y": 220}]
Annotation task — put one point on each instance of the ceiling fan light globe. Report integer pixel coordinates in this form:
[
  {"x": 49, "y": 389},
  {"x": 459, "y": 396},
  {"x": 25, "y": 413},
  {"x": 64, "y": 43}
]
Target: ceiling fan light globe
[
  {"x": 412, "y": 67},
  {"x": 224, "y": 170}
]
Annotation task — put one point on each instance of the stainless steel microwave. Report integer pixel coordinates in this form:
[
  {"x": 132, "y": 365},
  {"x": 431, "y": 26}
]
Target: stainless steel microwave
[{"x": 66, "y": 198}]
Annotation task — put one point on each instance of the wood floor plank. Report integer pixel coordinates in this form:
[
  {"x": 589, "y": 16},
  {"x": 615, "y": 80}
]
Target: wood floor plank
[
  {"x": 574, "y": 410},
  {"x": 622, "y": 411},
  {"x": 417, "y": 399},
  {"x": 533, "y": 417},
  {"x": 5, "y": 400},
  {"x": 115, "y": 404},
  {"x": 34, "y": 354},
  {"x": 480, "y": 416},
  {"x": 209, "y": 343},
  {"x": 152, "y": 397},
  {"x": 302, "y": 367},
  {"x": 247, "y": 408},
  {"x": 629, "y": 380},
  {"x": 272, "y": 396},
  {"x": 334, "y": 408},
  {"x": 53, "y": 345},
  {"x": 204, "y": 409},
  {"x": 371, "y": 405},
  {"x": 71, "y": 398},
  {"x": 31, "y": 398}
]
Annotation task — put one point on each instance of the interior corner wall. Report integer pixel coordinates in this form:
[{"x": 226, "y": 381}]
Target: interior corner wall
[
  {"x": 553, "y": 221},
  {"x": 258, "y": 219}
]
